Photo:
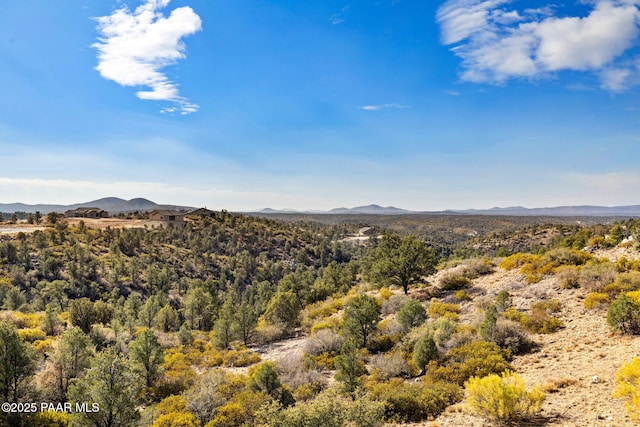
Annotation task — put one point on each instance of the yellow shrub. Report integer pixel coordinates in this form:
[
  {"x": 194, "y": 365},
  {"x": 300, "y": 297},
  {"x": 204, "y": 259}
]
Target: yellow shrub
[
  {"x": 322, "y": 361},
  {"x": 515, "y": 261},
  {"x": 26, "y": 320},
  {"x": 240, "y": 358},
  {"x": 596, "y": 300},
  {"x": 171, "y": 404},
  {"x": 628, "y": 380},
  {"x": 462, "y": 295},
  {"x": 514, "y": 314},
  {"x": 211, "y": 358},
  {"x": 635, "y": 296},
  {"x": 443, "y": 309},
  {"x": 503, "y": 398},
  {"x": 43, "y": 346},
  {"x": 532, "y": 278},
  {"x": 330, "y": 323},
  {"x": 240, "y": 410},
  {"x": 64, "y": 316},
  {"x": 318, "y": 312},
  {"x": 32, "y": 334},
  {"x": 178, "y": 373},
  {"x": 47, "y": 419},
  {"x": 385, "y": 294},
  {"x": 177, "y": 419}
]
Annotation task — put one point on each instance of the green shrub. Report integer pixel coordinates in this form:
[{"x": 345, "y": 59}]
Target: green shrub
[
  {"x": 627, "y": 282},
  {"x": 540, "y": 322},
  {"x": 454, "y": 281},
  {"x": 412, "y": 314},
  {"x": 477, "y": 268},
  {"x": 624, "y": 315},
  {"x": 382, "y": 343},
  {"x": 489, "y": 323},
  {"x": 510, "y": 336},
  {"x": 503, "y": 398},
  {"x": 328, "y": 409},
  {"x": 404, "y": 402},
  {"x": 503, "y": 301},
  {"x": 477, "y": 358},
  {"x": 424, "y": 352}
]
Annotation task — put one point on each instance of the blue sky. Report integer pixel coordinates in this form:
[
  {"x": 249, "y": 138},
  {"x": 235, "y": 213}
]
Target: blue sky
[{"x": 306, "y": 104}]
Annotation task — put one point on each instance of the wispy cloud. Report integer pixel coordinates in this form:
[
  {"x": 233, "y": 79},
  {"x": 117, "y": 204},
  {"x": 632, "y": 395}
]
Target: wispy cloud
[
  {"x": 497, "y": 43},
  {"x": 338, "y": 18},
  {"x": 134, "y": 47},
  {"x": 379, "y": 107}
]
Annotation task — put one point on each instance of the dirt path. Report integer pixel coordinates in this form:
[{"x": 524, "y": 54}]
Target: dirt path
[{"x": 281, "y": 350}]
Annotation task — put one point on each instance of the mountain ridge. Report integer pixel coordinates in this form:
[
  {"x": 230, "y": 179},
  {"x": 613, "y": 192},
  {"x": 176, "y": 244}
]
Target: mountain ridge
[
  {"x": 116, "y": 205},
  {"x": 113, "y": 205},
  {"x": 578, "y": 210}
]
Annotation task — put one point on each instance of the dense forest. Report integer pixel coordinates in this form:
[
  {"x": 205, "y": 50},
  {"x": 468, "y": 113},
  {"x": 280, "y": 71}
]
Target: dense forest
[{"x": 171, "y": 326}]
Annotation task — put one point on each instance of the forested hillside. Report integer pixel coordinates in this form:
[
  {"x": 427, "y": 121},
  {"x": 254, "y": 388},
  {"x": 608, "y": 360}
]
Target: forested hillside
[{"x": 176, "y": 325}]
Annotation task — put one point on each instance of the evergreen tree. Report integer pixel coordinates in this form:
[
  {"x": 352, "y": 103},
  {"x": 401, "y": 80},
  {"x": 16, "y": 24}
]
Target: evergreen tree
[
  {"x": 146, "y": 356},
  {"x": 411, "y": 314},
  {"x": 226, "y": 327},
  {"x": 113, "y": 387},
  {"x": 401, "y": 261},
  {"x": 350, "y": 367},
  {"x": 424, "y": 352},
  {"x": 360, "y": 319},
  {"x": 81, "y": 314},
  {"x": 247, "y": 322},
  {"x": 17, "y": 363},
  {"x": 69, "y": 360}
]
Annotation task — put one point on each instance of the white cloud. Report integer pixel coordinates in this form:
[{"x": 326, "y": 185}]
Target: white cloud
[
  {"x": 462, "y": 18},
  {"x": 496, "y": 43},
  {"x": 379, "y": 107},
  {"x": 615, "y": 79},
  {"x": 134, "y": 46}
]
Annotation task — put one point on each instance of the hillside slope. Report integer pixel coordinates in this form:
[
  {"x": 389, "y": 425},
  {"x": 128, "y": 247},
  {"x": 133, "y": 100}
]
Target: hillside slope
[{"x": 576, "y": 365}]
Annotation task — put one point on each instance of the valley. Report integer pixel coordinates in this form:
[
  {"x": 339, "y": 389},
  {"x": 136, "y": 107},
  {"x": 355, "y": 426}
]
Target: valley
[{"x": 293, "y": 317}]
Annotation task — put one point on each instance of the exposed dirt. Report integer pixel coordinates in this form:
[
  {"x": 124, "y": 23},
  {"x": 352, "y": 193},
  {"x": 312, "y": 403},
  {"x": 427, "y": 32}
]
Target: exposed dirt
[
  {"x": 583, "y": 357},
  {"x": 282, "y": 350},
  {"x": 90, "y": 222},
  {"x": 19, "y": 228}
]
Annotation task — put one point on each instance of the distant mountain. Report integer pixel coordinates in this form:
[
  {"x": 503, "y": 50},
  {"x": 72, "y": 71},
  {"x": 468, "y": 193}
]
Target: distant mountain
[
  {"x": 113, "y": 205},
  {"x": 370, "y": 209},
  {"x": 586, "y": 210},
  {"x": 269, "y": 210}
]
